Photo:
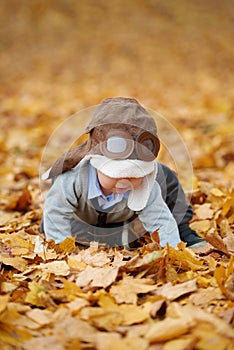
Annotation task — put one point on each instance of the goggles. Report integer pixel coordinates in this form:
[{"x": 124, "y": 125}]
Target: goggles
[{"x": 120, "y": 144}]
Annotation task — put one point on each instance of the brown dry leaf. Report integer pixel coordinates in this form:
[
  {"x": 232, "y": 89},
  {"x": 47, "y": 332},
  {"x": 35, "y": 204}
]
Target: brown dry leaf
[
  {"x": 42, "y": 317},
  {"x": 94, "y": 258},
  {"x": 146, "y": 259},
  {"x": 3, "y": 302},
  {"x": 97, "y": 277},
  {"x": 108, "y": 319},
  {"x": 225, "y": 280},
  {"x": 209, "y": 339},
  {"x": 227, "y": 315},
  {"x": 68, "y": 293},
  {"x": 217, "y": 192},
  {"x": 216, "y": 241},
  {"x": 229, "y": 243},
  {"x": 127, "y": 289},
  {"x": 44, "y": 342},
  {"x": 11, "y": 337},
  {"x": 36, "y": 295},
  {"x": 229, "y": 285},
  {"x": 23, "y": 322},
  {"x": 205, "y": 296},
  {"x": 183, "y": 343},
  {"x": 201, "y": 226},
  {"x": 203, "y": 249},
  {"x": 184, "y": 258},
  {"x": 113, "y": 341},
  {"x": 171, "y": 292},
  {"x": 168, "y": 329},
  {"x": 71, "y": 328},
  {"x": 228, "y": 204},
  {"x": 18, "y": 243},
  {"x": 133, "y": 314},
  {"x": 16, "y": 262},
  {"x": 58, "y": 268},
  {"x": 195, "y": 316},
  {"x": 76, "y": 305},
  {"x": 7, "y": 287},
  {"x": 204, "y": 211},
  {"x": 66, "y": 247},
  {"x": 20, "y": 202}
]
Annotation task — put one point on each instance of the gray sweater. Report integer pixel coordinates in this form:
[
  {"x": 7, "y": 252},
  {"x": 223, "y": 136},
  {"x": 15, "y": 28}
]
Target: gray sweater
[{"x": 68, "y": 211}]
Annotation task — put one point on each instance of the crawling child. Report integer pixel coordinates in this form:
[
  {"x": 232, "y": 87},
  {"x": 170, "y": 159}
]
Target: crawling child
[{"x": 111, "y": 189}]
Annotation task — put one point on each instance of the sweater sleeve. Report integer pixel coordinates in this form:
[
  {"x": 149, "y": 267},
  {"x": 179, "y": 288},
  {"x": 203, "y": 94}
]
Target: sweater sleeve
[
  {"x": 60, "y": 204},
  {"x": 157, "y": 216}
]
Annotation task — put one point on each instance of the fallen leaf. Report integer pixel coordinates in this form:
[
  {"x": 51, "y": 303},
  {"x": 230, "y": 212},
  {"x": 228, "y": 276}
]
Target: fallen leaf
[
  {"x": 127, "y": 289},
  {"x": 42, "y": 317},
  {"x": 183, "y": 343},
  {"x": 173, "y": 292},
  {"x": 204, "y": 211},
  {"x": 113, "y": 341},
  {"x": 16, "y": 262},
  {"x": 97, "y": 277},
  {"x": 217, "y": 192},
  {"x": 58, "y": 268},
  {"x": 3, "y": 302},
  {"x": 168, "y": 329},
  {"x": 205, "y": 296},
  {"x": 201, "y": 226}
]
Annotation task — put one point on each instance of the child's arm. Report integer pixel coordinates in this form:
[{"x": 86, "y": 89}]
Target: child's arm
[
  {"x": 157, "y": 216},
  {"x": 174, "y": 196},
  {"x": 60, "y": 204}
]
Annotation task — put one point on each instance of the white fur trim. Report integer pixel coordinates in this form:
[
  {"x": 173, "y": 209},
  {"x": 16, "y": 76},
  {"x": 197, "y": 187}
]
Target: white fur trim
[
  {"x": 138, "y": 197},
  {"x": 121, "y": 168}
]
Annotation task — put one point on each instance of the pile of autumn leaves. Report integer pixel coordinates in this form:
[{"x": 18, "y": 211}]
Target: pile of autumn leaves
[{"x": 60, "y": 297}]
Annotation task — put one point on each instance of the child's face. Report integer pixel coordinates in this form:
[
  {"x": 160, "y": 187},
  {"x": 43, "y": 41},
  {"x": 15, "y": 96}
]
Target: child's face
[{"x": 120, "y": 185}]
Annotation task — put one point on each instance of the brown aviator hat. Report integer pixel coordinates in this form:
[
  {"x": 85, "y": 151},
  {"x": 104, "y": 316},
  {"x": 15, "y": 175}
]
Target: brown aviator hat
[{"x": 111, "y": 114}]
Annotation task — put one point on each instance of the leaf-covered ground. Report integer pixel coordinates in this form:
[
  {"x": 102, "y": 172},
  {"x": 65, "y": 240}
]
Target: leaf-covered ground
[{"x": 58, "y": 57}]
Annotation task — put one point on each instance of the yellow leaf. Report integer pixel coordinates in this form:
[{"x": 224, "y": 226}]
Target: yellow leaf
[
  {"x": 16, "y": 262},
  {"x": 201, "y": 226},
  {"x": 227, "y": 205},
  {"x": 36, "y": 295},
  {"x": 184, "y": 258},
  {"x": 113, "y": 341},
  {"x": 167, "y": 329},
  {"x": 10, "y": 335},
  {"x": 3, "y": 302},
  {"x": 127, "y": 289},
  {"x": 108, "y": 319},
  {"x": 183, "y": 343},
  {"x": 216, "y": 192},
  {"x": 66, "y": 247},
  {"x": 133, "y": 314}
]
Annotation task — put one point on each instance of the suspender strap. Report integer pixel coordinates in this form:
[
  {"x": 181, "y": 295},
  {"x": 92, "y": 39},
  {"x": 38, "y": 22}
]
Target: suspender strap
[{"x": 102, "y": 215}]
